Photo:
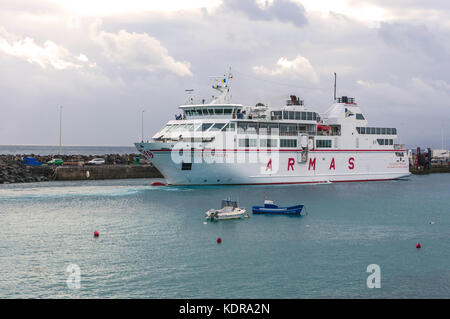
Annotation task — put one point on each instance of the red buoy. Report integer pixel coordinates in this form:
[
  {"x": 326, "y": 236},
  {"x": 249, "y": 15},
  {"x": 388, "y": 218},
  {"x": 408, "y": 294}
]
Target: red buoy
[
  {"x": 418, "y": 245},
  {"x": 158, "y": 184},
  {"x": 96, "y": 234},
  {"x": 219, "y": 240}
]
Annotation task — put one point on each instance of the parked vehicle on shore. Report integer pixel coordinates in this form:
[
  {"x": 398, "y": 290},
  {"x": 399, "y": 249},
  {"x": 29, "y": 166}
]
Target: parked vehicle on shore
[
  {"x": 56, "y": 161},
  {"x": 96, "y": 161}
]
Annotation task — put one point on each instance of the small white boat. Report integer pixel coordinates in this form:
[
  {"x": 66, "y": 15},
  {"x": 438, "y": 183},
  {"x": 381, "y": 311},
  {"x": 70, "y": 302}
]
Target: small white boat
[{"x": 229, "y": 210}]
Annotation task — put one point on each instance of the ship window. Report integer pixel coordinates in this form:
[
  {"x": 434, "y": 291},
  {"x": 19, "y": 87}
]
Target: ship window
[
  {"x": 388, "y": 131},
  {"x": 247, "y": 142},
  {"x": 373, "y": 130},
  {"x": 394, "y": 131},
  {"x": 302, "y": 128},
  {"x": 383, "y": 131},
  {"x": 288, "y": 129},
  {"x": 186, "y": 166},
  {"x": 297, "y": 116},
  {"x": 242, "y": 127},
  {"x": 165, "y": 129},
  {"x": 304, "y": 116},
  {"x": 204, "y": 127},
  {"x": 173, "y": 128},
  {"x": 227, "y": 111},
  {"x": 291, "y": 115},
  {"x": 288, "y": 143},
  {"x": 217, "y": 127},
  {"x": 273, "y": 129},
  {"x": 309, "y": 115},
  {"x": 263, "y": 128},
  {"x": 391, "y": 141},
  {"x": 285, "y": 115},
  {"x": 268, "y": 143},
  {"x": 359, "y": 116},
  {"x": 314, "y": 116},
  {"x": 276, "y": 115},
  {"x": 219, "y": 111},
  {"x": 252, "y": 128},
  {"x": 323, "y": 143},
  {"x": 380, "y": 141},
  {"x": 363, "y": 130},
  {"x": 230, "y": 127},
  {"x": 378, "y": 130},
  {"x": 211, "y": 111},
  {"x": 358, "y": 129}
]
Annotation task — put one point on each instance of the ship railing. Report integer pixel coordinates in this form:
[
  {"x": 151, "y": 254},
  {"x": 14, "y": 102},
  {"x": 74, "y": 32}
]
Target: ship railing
[
  {"x": 399, "y": 146},
  {"x": 327, "y": 133},
  {"x": 288, "y": 133}
]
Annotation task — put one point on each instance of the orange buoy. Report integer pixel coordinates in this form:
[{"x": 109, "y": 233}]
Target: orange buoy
[
  {"x": 219, "y": 240},
  {"x": 96, "y": 234},
  {"x": 418, "y": 245}
]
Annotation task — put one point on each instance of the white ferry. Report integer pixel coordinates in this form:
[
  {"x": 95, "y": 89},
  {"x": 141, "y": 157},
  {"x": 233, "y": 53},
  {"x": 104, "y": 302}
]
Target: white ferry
[{"x": 231, "y": 144}]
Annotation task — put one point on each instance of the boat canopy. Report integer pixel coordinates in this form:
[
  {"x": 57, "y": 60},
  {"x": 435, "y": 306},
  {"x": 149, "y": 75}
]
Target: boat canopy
[{"x": 229, "y": 203}]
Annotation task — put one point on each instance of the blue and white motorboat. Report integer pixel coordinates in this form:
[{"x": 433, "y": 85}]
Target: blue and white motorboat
[{"x": 270, "y": 208}]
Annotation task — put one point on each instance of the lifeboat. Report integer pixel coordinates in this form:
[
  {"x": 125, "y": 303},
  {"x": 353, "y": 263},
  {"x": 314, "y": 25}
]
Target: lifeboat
[{"x": 323, "y": 127}]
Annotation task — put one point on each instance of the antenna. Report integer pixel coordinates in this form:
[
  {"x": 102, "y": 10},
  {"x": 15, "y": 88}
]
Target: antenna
[
  {"x": 143, "y": 125},
  {"x": 335, "y": 86},
  {"x": 223, "y": 85},
  {"x": 189, "y": 94},
  {"x": 60, "y": 129}
]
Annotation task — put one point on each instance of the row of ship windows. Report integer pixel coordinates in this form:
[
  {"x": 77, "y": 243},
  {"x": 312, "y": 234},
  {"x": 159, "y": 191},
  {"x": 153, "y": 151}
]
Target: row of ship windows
[
  {"x": 212, "y": 111},
  {"x": 251, "y": 142},
  {"x": 293, "y": 115},
  {"x": 385, "y": 141},
  {"x": 248, "y": 142},
  {"x": 376, "y": 130}
]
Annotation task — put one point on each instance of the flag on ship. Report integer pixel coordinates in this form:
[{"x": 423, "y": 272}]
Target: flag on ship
[{"x": 348, "y": 113}]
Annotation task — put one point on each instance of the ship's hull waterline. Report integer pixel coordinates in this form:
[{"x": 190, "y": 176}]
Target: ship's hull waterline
[{"x": 257, "y": 167}]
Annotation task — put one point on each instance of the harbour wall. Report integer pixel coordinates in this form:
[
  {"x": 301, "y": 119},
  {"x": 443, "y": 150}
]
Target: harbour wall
[{"x": 75, "y": 173}]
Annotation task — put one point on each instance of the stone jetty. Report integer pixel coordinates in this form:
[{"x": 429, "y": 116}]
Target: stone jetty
[{"x": 117, "y": 166}]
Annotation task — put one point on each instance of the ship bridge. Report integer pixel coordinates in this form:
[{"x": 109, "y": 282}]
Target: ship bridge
[{"x": 197, "y": 111}]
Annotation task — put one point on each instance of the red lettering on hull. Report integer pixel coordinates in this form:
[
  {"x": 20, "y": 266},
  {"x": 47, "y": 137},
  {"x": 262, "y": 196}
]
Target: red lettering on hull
[
  {"x": 312, "y": 163},
  {"x": 291, "y": 163},
  {"x": 351, "y": 164},
  {"x": 269, "y": 165},
  {"x": 332, "y": 165}
]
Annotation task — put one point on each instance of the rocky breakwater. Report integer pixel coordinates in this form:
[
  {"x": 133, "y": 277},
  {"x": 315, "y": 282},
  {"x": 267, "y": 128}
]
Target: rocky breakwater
[
  {"x": 12, "y": 170},
  {"x": 74, "y": 167}
]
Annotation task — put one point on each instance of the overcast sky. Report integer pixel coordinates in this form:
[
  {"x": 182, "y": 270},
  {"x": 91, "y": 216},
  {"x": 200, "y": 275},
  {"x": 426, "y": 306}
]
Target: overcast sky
[{"x": 105, "y": 61}]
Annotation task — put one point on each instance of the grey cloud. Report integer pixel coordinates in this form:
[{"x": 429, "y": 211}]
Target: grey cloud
[
  {"x": 282, "y": 10},
  {"x": 406, "y": 80},
  {"x": 414, "y": 38}
]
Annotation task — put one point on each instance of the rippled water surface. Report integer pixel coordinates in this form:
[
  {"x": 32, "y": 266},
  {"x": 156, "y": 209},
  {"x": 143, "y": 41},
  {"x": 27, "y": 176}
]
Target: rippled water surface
[{"x": 154, "y": 243}]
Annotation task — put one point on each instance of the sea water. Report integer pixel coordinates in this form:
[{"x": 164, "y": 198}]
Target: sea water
[{"x": 154, "y": 242}]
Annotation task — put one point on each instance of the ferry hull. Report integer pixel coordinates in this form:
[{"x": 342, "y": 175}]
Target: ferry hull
[{"x": 257, "y": 167}]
